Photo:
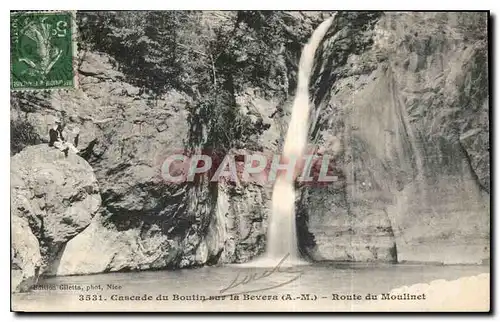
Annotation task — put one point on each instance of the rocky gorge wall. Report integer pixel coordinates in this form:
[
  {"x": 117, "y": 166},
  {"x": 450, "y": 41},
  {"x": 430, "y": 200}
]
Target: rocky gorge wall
[
  {"x": 400, "y": 101},
  {"x": 409, "y": 103}
]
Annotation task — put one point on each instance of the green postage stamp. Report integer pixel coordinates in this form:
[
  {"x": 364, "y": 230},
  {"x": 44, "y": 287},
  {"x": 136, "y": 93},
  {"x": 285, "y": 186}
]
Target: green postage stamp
[{"x": 43, "y": 50}]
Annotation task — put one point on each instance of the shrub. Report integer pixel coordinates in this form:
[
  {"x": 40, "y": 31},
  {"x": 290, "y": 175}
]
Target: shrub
[{"x": 22, "y": 134}]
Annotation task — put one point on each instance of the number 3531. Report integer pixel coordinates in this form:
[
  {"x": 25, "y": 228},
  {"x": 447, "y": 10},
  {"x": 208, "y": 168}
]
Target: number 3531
[{"x": 90, "y": 297}]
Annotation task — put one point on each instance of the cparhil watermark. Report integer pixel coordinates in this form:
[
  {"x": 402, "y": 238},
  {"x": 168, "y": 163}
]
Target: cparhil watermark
[{"x": 248, "y": 167}]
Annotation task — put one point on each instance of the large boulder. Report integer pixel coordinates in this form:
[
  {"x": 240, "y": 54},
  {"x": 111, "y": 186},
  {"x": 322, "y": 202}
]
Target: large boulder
[{"x": 53, "y": 198}]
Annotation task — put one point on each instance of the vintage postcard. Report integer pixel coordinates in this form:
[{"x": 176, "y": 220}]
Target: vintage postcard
[{"x": 236, "y": 161}]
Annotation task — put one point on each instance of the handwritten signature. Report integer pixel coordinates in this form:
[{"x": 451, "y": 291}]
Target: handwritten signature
[{"x": 245, "y": 279}]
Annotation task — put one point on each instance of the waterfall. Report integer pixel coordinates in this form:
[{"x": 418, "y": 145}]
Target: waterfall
[{"x": 282, "y": 234}]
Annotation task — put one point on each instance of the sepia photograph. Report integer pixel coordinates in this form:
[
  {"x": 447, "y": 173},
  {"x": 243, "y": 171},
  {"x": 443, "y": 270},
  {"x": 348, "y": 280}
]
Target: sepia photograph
[{"x": 250, "y": 161}]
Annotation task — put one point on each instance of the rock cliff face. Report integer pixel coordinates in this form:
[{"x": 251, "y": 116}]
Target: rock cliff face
[
  {"x": 26, "y": 258},
  {"x": 53, "y": 199},
  {"x": 408, "y": 98},
  {"x": 245, "y": 236},
  {"x": 400, "y": 100}
]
